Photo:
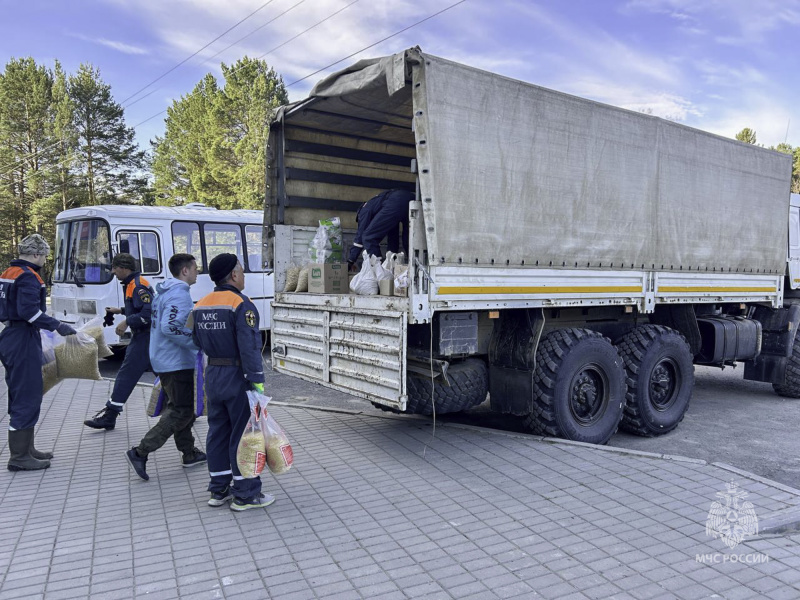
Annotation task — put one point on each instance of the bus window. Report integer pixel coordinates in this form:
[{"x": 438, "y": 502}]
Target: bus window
[
  {"x": 253, "y": 234},
  {"x": 143, "y": 246},
  {"x": 186, "y": 240},
  {"x": 221, "y": 238},
  {"x": 60, "y": 262},
  {"x": 89, "y": 259}
]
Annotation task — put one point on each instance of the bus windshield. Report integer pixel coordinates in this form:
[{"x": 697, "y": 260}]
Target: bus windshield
[{"x": 83, "y": 252}]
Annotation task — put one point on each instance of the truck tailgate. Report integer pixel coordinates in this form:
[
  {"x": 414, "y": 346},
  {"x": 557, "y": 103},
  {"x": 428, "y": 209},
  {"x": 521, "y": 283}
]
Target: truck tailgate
[{"x": 355, "y": 344}]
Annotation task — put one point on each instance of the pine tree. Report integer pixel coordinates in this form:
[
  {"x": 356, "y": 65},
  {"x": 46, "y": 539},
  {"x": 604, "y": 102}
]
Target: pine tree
[{"x": 111, "y": 162}]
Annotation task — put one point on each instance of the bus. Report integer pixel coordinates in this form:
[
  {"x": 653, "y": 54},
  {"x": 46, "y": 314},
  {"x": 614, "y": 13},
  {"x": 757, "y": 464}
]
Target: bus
[{"x": 88, "y": 238}]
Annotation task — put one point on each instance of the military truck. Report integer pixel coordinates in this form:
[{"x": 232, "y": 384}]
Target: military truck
[{"x": 569, "y": 259}]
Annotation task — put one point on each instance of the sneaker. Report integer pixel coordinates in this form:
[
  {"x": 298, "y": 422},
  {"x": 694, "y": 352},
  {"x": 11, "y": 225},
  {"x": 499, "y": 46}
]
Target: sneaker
[
  {"x": 104, "y": 419},
  {"x": 220, "y": 498},
  {"x": 197, "y": 457},
  {"x": 261, "y": 501},
  {"x": 138, "y": 463}
]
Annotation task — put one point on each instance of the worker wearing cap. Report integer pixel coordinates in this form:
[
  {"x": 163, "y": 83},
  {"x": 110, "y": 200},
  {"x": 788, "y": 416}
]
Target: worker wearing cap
[
  {"x": 380, "y": 217},
  {"x": 137, "y": 310},
  {"x": 23, "y": 298},
  {"x": 225, "y": 327}
]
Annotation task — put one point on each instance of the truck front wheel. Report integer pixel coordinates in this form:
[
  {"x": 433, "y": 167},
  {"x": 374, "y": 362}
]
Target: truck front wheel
[
  {"x": 660, "y": 377},
  {"x": 579, "y": 387}
]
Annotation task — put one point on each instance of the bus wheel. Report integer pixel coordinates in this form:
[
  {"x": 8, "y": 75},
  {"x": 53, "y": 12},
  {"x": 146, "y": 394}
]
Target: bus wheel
[
  {"x": 660, "y": 377},
  {"x": 578, "y": 387}
]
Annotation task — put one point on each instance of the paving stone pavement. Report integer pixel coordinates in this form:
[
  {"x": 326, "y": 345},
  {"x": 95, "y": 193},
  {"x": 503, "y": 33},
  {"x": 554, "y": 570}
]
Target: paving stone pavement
[{"x": 376, "y": 508}]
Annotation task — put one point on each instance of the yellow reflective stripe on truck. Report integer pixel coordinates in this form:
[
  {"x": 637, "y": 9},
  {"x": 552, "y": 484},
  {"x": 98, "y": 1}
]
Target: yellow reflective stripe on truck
[
  {"x": 579, "y": 289},
  {"x": 711, "y": 290}
]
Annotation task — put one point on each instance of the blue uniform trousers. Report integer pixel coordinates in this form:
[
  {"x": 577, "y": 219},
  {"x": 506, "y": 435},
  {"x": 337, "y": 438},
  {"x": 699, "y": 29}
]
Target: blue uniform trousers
[
  {"x": 228, "y": 413},
  {"x": 21, "y": 355},
  {"x": 137, "y": 361}
]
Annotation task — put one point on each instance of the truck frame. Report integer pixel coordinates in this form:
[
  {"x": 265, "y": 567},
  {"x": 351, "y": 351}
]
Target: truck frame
[{"x": 571, "y": 259}]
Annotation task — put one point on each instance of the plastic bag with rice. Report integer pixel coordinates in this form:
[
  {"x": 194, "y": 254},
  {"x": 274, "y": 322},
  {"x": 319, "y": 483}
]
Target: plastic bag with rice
[{"x": 251, "y": 453}]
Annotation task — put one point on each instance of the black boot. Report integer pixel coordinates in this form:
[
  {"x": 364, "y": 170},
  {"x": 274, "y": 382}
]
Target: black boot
[
  {"x": 37, "y": 454},
  {"x": 19, "y": 444},
  {"x": 105, "y": 419},
  {"x": 138, "y": 463}
]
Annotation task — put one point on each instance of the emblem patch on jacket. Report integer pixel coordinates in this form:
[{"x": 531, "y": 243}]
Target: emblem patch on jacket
[
  {"x": 250, "y": 318},
  {"x": 144, "y": 295}
]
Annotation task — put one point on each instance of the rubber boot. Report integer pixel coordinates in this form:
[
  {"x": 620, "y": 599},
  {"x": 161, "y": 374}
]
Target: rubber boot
[
  {"x": 104, "y": 419},
  {"x": 38, "y": 454},
  {"x": 19, "y": 444}
]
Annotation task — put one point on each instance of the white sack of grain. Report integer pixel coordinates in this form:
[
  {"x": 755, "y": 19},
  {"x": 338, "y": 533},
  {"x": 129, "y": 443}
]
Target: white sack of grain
[{"x": 95, "y": 329}]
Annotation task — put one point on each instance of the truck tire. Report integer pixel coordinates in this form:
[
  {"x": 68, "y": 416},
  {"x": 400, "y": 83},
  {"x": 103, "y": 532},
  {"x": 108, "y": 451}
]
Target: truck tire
[
  {"x": 791, "y": 389},
  {"x": 579, "y": 387},
  {"x": 660, "y": 379},
  {"x": 469, "y": 385}
]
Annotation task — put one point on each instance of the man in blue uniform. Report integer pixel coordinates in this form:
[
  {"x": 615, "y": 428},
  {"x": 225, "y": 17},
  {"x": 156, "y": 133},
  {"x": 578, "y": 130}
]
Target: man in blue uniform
[
  {"x": 225, "y": 327},
  {"x": 137, "y": 310},
  {"x": 23, "y": 298},
  {"x": 380, "y": 217}
]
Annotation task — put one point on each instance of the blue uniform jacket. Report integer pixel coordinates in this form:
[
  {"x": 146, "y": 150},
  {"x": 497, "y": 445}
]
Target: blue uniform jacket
[
  {"x": 380, "y": 217},
  {"x": 23, "y": 296},
  {"x": 138, "y": 302},
  {"x": 226, "y": 326}
]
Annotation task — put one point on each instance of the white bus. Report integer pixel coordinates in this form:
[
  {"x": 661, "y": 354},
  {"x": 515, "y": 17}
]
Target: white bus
[{"x": 88, "y": 238}]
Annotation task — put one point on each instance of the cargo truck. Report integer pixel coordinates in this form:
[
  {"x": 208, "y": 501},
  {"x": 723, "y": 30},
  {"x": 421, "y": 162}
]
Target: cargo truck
[{"x": 569, "y": 259}]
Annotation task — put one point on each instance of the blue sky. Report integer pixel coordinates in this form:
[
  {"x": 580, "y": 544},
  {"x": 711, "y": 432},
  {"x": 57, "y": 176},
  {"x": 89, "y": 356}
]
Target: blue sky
[{"x": 719, "y": 65}]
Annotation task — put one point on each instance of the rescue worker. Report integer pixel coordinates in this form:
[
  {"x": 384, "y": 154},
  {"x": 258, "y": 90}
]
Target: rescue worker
[
  {"x": 138, "y": 297},
  {"x": 380, "y": 217},
  {"x": 225, "y": 327},
  {"x": 23, "y": 298},
  {"x": 172, "y": 354}
]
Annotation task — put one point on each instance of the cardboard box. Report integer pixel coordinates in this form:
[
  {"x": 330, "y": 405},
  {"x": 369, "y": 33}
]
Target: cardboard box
[
  {"x": 386, "y": 287},
  {"x": 328, "y": 278},
  {"x": 399, "y": 270}
]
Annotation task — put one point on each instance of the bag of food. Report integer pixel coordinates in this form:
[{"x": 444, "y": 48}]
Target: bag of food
[
  {"x": 77, "y": 357},
  {"x": 50, "y": 376},
  {"x": 326, "y": 247},
  {"x": 302, "y": 280},
  {"x": 365, "y": 283},
  {"x": 251, "y": 454},
  {"x": 157, "y": 398},
  {"x": 95, "y": 329},
  {"x": 385, "y": 270},
  {"x": 292, "y": 276},
  {"x": 279, "y": 451}
]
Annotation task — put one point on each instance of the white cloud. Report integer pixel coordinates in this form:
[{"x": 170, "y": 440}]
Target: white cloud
[{"x": 113, "y": 44}]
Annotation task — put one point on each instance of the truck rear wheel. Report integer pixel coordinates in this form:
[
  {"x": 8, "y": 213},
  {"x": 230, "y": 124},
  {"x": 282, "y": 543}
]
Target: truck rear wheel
[
  {"x": 791, "y": 389},
  {"x": 579, "y": 387},
  {"x": 469, "y": 385},
  {"x": 660, "y": 378}
]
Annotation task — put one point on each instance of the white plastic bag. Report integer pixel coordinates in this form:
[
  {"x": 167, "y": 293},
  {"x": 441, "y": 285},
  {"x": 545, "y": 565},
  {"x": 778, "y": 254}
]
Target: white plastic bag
[
  {"x": 365, "y": 283},
  {"x": 280, "y": 456},
  {"x": 251, "y": 455},
  {"x": 385, "y": 270}
]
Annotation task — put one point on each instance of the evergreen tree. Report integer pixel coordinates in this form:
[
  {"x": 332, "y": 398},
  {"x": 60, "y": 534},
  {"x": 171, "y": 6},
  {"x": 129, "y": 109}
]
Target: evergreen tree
[
  {"x": 747, "y": 135},
  {"x": 112, "y": 164},
  {"x": 25, "y": 96},
  {"x": 213, "y": 149}
]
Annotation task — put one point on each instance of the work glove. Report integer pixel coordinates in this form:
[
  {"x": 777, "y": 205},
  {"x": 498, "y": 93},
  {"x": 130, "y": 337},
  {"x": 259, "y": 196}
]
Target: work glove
[
  {"x": 109, "y": 320},
  {"x": 259, "y": 387},
  {"x": 65, "y": 330}
]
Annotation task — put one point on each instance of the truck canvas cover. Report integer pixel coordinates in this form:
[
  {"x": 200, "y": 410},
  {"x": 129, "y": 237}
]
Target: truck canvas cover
[{"x": 512, "y": 172}]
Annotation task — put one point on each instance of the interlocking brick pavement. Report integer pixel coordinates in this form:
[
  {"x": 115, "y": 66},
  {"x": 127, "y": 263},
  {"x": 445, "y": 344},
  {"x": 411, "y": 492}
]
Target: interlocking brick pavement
[{"x": 374, "y": 508}]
